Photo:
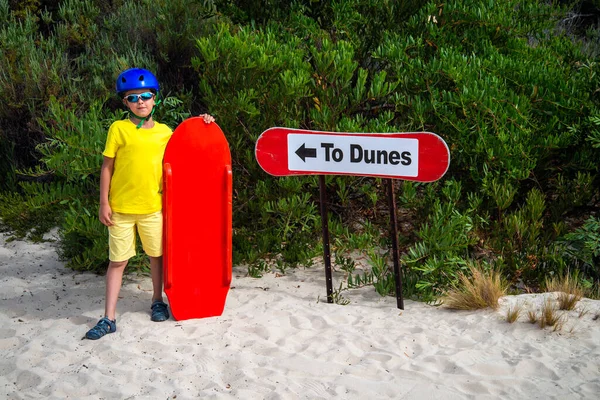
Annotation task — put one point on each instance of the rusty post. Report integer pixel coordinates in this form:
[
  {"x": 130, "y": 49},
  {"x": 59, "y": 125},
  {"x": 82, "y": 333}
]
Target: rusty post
[
  {"x": 325, "y": 228},
  {"x": 394, "y": 235}
]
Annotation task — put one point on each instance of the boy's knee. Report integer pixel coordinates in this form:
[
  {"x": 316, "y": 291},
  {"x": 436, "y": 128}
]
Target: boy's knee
[{"x": 117, "y": 264}]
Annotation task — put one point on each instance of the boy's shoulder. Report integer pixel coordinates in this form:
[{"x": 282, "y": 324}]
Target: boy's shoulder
[{"x": 120, "y": 123}]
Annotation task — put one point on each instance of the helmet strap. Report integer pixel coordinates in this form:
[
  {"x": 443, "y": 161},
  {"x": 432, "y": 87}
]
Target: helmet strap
[{"x": 143, "y": 119}]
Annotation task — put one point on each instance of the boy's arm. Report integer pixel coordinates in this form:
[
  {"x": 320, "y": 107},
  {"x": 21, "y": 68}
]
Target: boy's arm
[{"x": 106, "y": 172}]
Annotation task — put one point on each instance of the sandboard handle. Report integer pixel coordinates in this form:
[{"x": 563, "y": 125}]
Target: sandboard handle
[
  {"x": 168, "y": 224},
  {"x": 228, "y": 224}
]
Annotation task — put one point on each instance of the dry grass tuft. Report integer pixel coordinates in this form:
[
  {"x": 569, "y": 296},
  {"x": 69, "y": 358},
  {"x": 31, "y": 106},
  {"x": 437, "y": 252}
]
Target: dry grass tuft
[
  {"x": 569, "y": 291},
  {"x": 513, "y": 313},
  {"x": 532, "y": 316},
  {"x": 550, "y": 315},
  {"x": 481, "y": 289}
]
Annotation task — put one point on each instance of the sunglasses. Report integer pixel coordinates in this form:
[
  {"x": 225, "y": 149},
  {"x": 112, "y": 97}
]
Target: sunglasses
[{"x": 134, "y": 98}]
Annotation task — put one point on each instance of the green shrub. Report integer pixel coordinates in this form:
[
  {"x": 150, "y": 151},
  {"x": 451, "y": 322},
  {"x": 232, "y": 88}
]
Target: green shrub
[
  {"x": 442, "y": 247},
  {"x": 510, "y": 88},
  {"x": 582, "y": 248}
]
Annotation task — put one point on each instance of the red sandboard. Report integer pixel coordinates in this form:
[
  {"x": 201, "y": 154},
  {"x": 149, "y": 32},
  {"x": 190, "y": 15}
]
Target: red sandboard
[{"x": 197, "y": 195}]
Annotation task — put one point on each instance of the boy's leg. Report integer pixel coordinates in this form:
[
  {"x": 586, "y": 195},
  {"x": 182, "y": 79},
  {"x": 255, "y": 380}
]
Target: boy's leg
[
  {"x": 121, "y": 244},
  {"x": 114, "y": 279},
  {"x": 150, "y": 228},
  {"x": 156, "y": 270},
  {"x": 159, "y": 307}
]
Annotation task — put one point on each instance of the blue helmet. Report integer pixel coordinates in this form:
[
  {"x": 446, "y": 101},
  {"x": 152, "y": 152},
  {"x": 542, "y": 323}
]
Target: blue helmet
[{"x": 136, "y": 78}]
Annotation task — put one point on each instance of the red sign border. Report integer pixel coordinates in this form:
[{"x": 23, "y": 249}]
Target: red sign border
[{"x": 272, "y": 153}]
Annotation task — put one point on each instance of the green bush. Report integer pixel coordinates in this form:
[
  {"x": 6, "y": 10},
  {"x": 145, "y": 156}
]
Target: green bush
[
  {"x": 582, "y": 248},
  {"x": 509, "y": 85}
]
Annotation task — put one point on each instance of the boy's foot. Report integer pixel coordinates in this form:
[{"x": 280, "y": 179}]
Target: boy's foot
[
  {"x": 159, "y": 311},
  {"x": 103, "y": 327}
]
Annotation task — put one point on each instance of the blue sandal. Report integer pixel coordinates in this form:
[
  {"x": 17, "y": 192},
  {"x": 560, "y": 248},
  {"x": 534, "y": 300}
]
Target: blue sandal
[
  {"x": 159, "y": 311},
  {"x": 103, "y": 327}
]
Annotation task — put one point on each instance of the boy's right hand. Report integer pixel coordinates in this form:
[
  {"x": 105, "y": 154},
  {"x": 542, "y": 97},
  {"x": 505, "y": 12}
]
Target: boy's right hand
[
  {"x": 105, "y": 215},
  {"x": 207, "y": 118}
]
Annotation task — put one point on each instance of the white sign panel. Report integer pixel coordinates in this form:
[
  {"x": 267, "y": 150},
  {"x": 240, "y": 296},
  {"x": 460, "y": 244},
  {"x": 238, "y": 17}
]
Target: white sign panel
[{"x": 353, "y": 154}]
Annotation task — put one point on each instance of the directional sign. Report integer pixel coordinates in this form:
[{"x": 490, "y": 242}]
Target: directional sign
[{"x": 416, "y": 156}]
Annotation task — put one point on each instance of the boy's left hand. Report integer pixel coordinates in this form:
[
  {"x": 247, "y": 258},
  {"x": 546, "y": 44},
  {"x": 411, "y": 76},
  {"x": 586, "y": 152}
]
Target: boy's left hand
[{"x": 207, "y": 118}]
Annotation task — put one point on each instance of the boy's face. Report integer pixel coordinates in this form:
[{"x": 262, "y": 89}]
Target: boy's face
[{"x": 142, "y": 108}]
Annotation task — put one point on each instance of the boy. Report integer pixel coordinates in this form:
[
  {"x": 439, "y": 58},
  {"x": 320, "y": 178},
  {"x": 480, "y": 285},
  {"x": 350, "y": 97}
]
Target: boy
[{"x": 130, "y": 192}]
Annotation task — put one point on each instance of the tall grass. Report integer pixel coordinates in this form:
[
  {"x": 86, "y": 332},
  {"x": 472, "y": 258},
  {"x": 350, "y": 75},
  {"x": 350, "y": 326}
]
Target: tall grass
[
  {"x": 569, "y": 289},
  {"x": 479, "y": 289},
  {"x": 532, "y": 316},
  {"x": 549, "y": 315},
  {"x": 513, "y": 313}
]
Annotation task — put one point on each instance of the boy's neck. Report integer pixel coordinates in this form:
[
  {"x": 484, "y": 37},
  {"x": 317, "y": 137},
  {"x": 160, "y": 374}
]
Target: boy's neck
[{"x": 148, "y": 123}]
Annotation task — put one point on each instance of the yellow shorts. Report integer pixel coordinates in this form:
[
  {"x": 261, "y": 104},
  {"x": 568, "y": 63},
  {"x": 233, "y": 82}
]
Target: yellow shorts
[{"x": 121, "y": 236}]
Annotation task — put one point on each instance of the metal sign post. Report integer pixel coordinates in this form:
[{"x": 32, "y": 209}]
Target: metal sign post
[
  {"x": 394, "y": 235},
  {"x": 325, "y": 229}
]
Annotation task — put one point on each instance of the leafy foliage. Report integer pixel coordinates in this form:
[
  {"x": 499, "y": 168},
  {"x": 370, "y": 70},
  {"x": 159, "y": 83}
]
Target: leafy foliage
[{"x": 510, "y": 86}]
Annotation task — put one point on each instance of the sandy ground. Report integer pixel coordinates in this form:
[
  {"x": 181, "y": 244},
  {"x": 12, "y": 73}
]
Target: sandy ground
[{"x": 277, "y": 339}]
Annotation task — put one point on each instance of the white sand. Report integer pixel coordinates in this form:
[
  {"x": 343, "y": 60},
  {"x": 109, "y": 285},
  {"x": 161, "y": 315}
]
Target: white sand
[{"x": 275, "y": 340}]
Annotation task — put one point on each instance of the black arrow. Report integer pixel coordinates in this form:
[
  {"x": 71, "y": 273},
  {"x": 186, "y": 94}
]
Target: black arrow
[{"x": 303, "y": 152}]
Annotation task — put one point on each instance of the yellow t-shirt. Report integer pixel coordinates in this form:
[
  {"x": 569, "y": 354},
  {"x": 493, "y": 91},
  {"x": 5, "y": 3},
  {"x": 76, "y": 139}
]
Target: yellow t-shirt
[{"x": 136, "y": 184}]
